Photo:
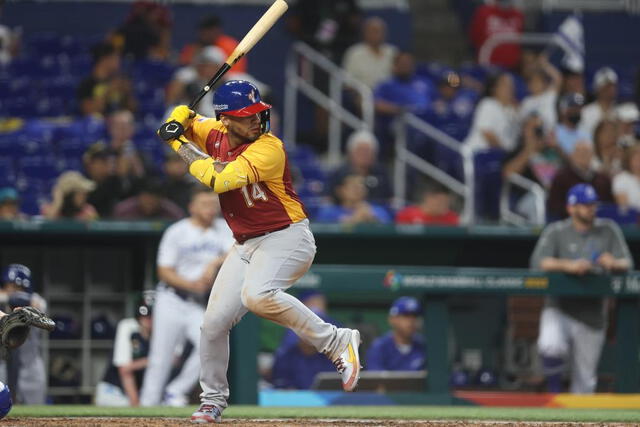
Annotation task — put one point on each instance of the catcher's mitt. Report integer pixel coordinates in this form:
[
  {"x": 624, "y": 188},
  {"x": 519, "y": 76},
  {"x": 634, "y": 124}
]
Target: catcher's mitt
[{"x": 14, "y": 327}]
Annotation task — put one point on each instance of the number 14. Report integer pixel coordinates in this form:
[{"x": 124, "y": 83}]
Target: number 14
[{"x": 257, "y": 193}]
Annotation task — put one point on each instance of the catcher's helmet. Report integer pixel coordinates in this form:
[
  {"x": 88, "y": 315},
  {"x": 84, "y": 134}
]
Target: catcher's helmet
[
  {"x": 5, "y": 400},
  {"x": 18, "y": 274},
  {"x": 240, "y": 98}
]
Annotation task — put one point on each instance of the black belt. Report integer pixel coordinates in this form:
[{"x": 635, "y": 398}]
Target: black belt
[{"x": 244, "y": 237}]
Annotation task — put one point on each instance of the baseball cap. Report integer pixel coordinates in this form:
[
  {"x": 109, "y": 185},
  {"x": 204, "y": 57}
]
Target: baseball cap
[
  {"x": 405, "y": 305},
  {"x": 628, "y": 112},
  {"x": 8, "y": 194},
  {"x": 97, "y": 150},
  {"x": 604, "y": 76},
  {"x": 570, "y": 100},
  {"x": 582, "y": 194},
  {"x": 210, "y": 55}
]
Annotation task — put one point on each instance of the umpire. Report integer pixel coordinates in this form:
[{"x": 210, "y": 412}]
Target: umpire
[{"x": 573, "y": 328}]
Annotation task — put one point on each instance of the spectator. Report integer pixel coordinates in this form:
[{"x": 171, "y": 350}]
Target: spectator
[
  {"x": 362, "y": 154},
  {"x": 626, "y": 185},
  {"x": 579, "y": 169},
  {"x": 351, "y": 205},
  {"x": 296, "y": 363},
  {"x": 567, "y": 132},
  {"x": 147, "y": 28},
  {"x": 401, "y": 349},
  {"x": 608, "y": 153},
  {"x": 9, "y": 42},
  {"x": 70, "y": 194},
  {"x": 148, "y": 204},
  {"x": 544, "y": 84},
  {"x": 9, "y": 204},
  {"x": 370, "y": 61},
  {"x": 121, "y": 127},
  {"x": 499, "y": 17},
  {"x": 100, "y": 166},
  {"x": 605, "y": 86},
  {"x": 572, "y": 81},
  {"x": 123, "y": 379},
  {"x": 177, "y": 183},
  {"x": 210, "y": 33},
  {"x": 574, "y": 327},
  {"x": 627, "y": 115},
  {"x": 495, "y": 119},
  {"x": 93, "y": 91},
  {"x": 404, "y": 91},
  {"x": 330, "y": 26},
  {"x": 434, "y": 209}
]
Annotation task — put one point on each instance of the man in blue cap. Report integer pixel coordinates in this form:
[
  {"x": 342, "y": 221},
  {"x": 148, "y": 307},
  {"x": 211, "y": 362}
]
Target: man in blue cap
[
  {"x": 402, "y": 348},
  {"x": 574, "y": 327}
]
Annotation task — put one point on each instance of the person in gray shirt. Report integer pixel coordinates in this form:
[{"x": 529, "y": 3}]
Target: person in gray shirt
[{"x": 574, "y": 327}]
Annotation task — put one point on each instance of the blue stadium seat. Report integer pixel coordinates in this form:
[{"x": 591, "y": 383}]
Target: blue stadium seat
[
  {"x": 8, "y": 175},
  {"x": 488, "y": 182},
  {"x": 39, "y": 167},
  {"x": 616, "y": 213}
]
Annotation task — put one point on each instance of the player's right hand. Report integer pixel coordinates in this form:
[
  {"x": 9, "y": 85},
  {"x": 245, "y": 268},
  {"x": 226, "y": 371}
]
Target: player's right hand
[
  {"x": 579, "y": 266},
  {"x": 175, "y": 125}
]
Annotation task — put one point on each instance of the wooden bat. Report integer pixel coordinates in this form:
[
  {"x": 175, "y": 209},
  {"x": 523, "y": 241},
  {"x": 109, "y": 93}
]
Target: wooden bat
[{"x": 264, "y": 24}]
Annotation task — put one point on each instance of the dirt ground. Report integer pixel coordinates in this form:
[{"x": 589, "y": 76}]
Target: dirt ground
[{"x": 165, "y": 422}]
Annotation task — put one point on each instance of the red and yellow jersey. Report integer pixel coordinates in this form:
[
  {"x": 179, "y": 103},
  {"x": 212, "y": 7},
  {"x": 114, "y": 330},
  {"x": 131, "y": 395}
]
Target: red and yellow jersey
[{"x": 269, "y": 201}]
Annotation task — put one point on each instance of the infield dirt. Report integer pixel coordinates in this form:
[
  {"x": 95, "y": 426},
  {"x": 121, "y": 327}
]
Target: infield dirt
[{"x": 165, "y": 422}]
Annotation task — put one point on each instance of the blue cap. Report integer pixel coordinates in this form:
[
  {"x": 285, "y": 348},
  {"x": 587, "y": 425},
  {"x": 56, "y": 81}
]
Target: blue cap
[
  {"x": 8, "y": 194},
  {"x": 405, "y": 305},
  {"x": 582, "y": 194}
]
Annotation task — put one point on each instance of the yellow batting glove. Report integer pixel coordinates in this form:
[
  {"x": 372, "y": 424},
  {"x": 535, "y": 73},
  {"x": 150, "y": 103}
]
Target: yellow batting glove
[{"x": 178, "y": 121}]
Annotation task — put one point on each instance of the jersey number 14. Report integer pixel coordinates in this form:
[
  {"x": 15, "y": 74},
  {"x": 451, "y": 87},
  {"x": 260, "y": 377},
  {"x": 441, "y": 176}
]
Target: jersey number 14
[{"x": 257, "y": 193}]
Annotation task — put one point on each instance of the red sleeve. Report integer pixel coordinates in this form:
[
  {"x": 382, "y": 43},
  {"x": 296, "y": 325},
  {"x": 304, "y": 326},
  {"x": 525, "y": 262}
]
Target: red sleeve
[
  {"x": 404, "y": 216},
  {"x": 477, "y": 31}
]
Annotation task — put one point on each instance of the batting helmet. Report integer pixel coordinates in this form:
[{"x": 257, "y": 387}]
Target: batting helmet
[
  {"x": 18, "y": 274},
  {"x": 240, "y": 98},
  {"x": 5, "y": 400}
]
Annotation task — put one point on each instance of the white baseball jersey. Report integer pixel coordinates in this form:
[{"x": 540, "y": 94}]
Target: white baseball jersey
[{"x": 188, "y": 248}]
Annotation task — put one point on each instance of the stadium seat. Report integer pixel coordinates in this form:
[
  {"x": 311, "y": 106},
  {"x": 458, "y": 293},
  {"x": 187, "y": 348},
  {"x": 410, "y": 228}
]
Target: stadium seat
[{"x": 41, "y": 167}]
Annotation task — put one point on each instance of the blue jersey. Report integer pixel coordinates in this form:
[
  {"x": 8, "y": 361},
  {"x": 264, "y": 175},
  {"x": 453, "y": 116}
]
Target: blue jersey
[
  {"x": 414, "y": 94},
  {"x": 294, "y": 369},
  {"x": 384, "y": 355},
  {"x": 335, "y": 214}
]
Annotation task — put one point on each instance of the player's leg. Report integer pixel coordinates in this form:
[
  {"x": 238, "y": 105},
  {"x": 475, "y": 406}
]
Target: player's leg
[
  {"x": 224, "y": 310},
  {"x": 276, "y": 262},
  {"x": 178, "y": 389},
  {"x": 553, "y": 346},
  {"x": 587, "y": 346},
  {"x": 167, "y": 330}
]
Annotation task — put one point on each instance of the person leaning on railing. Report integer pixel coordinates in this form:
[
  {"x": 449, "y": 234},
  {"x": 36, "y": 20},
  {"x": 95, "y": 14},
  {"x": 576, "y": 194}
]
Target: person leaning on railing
[{"x": 574, "y": 327}]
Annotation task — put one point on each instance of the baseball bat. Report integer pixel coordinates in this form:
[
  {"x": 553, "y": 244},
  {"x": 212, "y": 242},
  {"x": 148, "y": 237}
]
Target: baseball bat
[{"x": 260, "y": 28}]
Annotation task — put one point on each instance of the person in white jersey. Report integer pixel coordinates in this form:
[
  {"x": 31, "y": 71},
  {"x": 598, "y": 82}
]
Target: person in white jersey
[{"x": 190, "y": 253}]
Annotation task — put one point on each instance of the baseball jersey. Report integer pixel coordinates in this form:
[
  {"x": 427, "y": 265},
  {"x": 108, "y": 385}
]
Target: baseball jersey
[
  {"x": 562, "y": 240},
  {"x": 294, "y": 369},
  {"x": 385, "y": 355},
  {"x": 188, "y": 248},
  {"x": 129, "y": 345},
  {"x": 269, "y": 201}
]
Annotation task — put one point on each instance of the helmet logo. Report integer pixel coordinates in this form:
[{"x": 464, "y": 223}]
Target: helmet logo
[{"x": 252, "y": 96}]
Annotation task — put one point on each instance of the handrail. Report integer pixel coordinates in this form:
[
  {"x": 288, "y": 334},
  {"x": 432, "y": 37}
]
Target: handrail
[
  {"x": 536, "y": 190},
  {"x": 484, "y": 55},
  {"x": 631, "y": 6},
  {"x": 332, "y": 102},
  {"x": 405, "y": 157}
]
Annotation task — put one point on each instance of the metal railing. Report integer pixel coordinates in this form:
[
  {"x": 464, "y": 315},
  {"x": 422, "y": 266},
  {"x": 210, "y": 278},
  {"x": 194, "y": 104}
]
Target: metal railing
[
  {"x": 508, "y": 216},
  {"x": 531, "y": 39},
  {"x": 630, "y": 6},
  {"x": 404, "y": 158},
  {"x": 300, "y": 77}
]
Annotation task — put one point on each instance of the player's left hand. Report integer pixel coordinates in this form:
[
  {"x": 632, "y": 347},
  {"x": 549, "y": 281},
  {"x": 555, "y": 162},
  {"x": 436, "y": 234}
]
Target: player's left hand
[
  {"x": 178, "y": 121},
  {"x": 607, "y": 261}
]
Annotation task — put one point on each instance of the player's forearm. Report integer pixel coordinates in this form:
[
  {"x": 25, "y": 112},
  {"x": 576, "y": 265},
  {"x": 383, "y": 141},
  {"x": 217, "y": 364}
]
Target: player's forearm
[
  {"x": 621, "y": 264},
  {"x": 171, "y": 278},
  {"x": 554, "y": 264},
  {"x": 129, "y": 385}
]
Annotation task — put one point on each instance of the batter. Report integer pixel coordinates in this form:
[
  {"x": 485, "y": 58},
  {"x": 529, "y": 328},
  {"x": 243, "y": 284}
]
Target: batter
[{"x": 248, "y": 167}]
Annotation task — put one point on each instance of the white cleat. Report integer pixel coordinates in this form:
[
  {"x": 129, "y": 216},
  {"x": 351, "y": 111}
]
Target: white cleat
[
  {"x": 207, "y": 414},
  {"x": 348, "y": 362}
]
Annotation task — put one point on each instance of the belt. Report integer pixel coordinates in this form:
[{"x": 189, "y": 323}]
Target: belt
[{"x": 244, "y": 237}]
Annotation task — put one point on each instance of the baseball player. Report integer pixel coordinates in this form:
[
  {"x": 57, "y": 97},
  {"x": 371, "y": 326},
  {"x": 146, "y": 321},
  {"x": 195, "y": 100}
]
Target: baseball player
[
  {"x": 123, "y": 377},
  {"x": 402, "y": 349},
  {"x": 25, "y": 367},
  {"x": 574, "y": 327},
  {"x": 189, "y": 255},
  {"x": 237, "y": 156}
]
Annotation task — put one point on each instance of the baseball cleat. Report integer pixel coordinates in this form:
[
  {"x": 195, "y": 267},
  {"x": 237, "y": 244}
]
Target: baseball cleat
[
  {"x": 207, "y": 414},
  {"x": 348, "y": 363}
]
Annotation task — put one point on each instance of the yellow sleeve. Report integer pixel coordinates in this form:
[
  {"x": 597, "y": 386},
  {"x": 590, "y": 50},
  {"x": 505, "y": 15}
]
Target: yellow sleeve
[
  {"x": 199, "y": 130},
  {"x": 264, "y": 158}
]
